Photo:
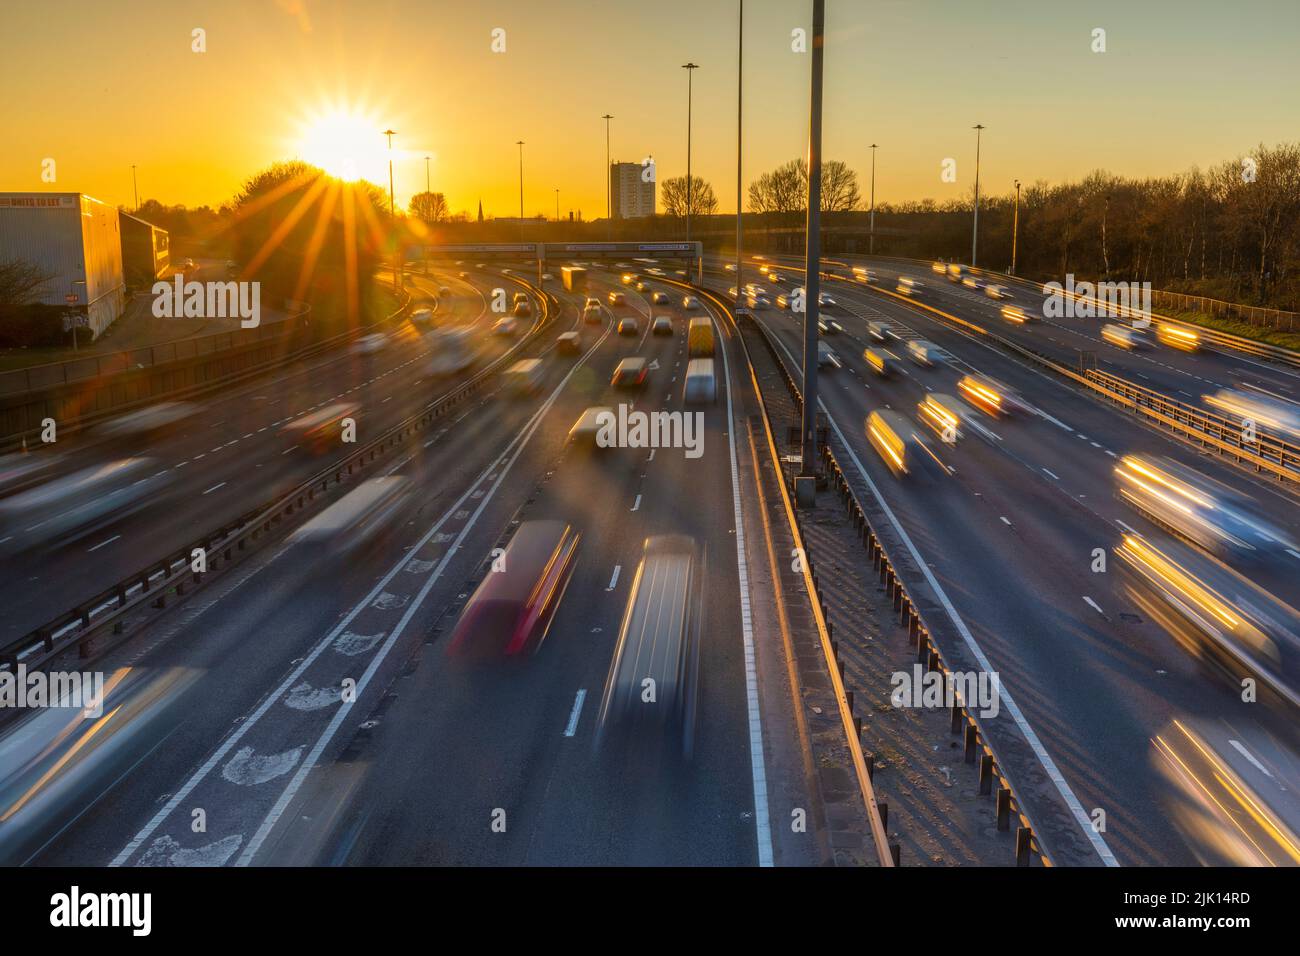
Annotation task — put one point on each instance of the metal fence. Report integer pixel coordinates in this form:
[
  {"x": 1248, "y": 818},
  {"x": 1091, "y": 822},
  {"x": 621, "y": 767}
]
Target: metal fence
[{"x": 1276, "y": 319}]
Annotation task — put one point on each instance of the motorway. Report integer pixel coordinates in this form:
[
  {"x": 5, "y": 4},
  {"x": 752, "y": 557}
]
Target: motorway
[
  {"x": 304, "y": 708},
  {"x": 1006, "y": 522},
  {"x": 236, "y": 701}
]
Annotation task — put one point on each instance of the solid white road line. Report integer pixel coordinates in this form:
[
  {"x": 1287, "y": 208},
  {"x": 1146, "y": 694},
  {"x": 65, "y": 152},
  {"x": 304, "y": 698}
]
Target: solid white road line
[
  {"x": 613, "y": 581},
  {"x": 758, "y": 768},
  {"x": 102, "y": 543},
  {"x": 215, "y": 487}
]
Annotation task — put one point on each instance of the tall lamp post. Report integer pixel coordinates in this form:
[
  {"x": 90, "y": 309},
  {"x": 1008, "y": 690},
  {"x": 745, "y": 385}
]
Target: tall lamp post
[
  {"x": 805, "y": 486},
  {"x": 427, "y": 192},
  {"x": 1015, "y": 228},
  {"x": 690, "y": 69},
  {"x": 609, "y": 185},
  {"x": 520, "y": 144},
  {"x": 135, "y": 188},
  {"x": 392, "y": 207},
  {"x": 871, "y": 242},
  {"x": 740, "y": 119},
  {"x": 975, "y": 228}
]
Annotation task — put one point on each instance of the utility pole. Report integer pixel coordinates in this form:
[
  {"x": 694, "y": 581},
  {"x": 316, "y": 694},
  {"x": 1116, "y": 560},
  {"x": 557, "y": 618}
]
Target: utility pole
[
  {"x": 135, "y": 188},
  {"x": 690, "y": 69},
  {"x": 609, "y": 185},
  {"x": 427, "y": 189},
  {"x": 392, "y": 209},
  {"x": 1015, "y": 228},
  {"x": 975, "y": 228},
  {"x": 557, "y": 203},
  {"x": 871, "y": 243},
  {"x": 805, "y": 486},
  {"x": 740, "y": 119}
]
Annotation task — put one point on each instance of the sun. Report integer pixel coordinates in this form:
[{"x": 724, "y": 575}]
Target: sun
[{"x": 344, "y": 143}]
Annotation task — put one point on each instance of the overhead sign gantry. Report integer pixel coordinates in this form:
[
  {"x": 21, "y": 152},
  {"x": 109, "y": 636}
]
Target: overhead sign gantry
[{"x": 569, "y": 251}]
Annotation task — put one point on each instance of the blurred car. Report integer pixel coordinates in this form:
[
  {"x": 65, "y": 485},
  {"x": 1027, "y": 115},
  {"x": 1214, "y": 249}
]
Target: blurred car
[
  {"x": 1014, "y": 313},
  {"x": 863, "y": 275},
  {"x": 232, "y": 267},
  {"x": 690, "y": 302},
  {"x": 587, "y": 428},
  {"x": 188, "y": 265},
  {"x": 659, "y": 298},
  {"x": 152, "y": 421},
  {"x": 943, "y": 415},
  {"x": 1270, "y": 413},
  {"x": 568, "y": 343},
  {"x": 628, "y": 325},
  {"x": 319, "y": 430},
  {"x": 758, "y": 301},
  {"x": 1123, "y": 336},
  {"x": 617, "y": 298},
  {"x": 661, "y": 325},
  {"x": 357, "y": 519},
  {"x": 511, "y": 610},
  {"x": 701, "y": 383},
  {"x": 775, "y": 277},
  {"x": 641, "y": 287},
  {"x": 630, "y": 373},
  {"x": 628, "y": 278},
  {"x": 68, "y": 508},
  {"x": 939, "y": 267},
  {"x": 1213, "y": 610},
  {"x": 909, "y": 286},
  {"x": 1178, "y": 337},
  {"x": 729, "y": 267},
  {"x": 658, "y": 647},
  {"x": 783, "y": 301},
  {"x": 826, "y": 357},
  {"x": 525, "y": 377},
  {"x": 995, "y": 291},
  {"x": 1213, "y": 516},
  {"x": 971, "y": 282},
  {"x": 452, "y": 352},
  {"x": 955, "y": 272},
  {"x": 924, "y": 352},
  {"x": 888, "y": 433},
  {"x": 370, "y": 344},
  {"x": 506, "y": 326},
  {"x": 882, "y": 362},
  {"x": 422, "y": 316},
  {"x": 462, "y": 275},
  {"x": 443, "y": 292},
  {"x": 990, "y": 396},
  {"x": 522, "y": 310},
  {"x": 881, "y": 331}
]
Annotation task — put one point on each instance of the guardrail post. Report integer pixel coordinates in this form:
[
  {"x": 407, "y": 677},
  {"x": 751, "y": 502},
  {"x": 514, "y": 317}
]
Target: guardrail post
[
  {"x": 1023, "y": 837},
  {"x": 972, "y": 739},
  {"x": 1004, "y": 809},
  {"x": 986, "y": 775}
]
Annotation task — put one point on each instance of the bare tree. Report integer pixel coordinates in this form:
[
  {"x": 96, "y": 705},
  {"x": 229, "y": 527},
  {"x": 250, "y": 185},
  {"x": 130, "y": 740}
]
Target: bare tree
[
  {"x": 21, "y": 281},
  {"x": 703, "y": 200},
  {"x": 430, "y": 207}
]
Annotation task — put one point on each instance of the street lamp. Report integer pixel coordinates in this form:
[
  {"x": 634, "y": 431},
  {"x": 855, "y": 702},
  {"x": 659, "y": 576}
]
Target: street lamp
[
  {"x": 1015, "y": 228},
  {"x": 690, "y": 69},
  {"x": 740, "y": 119},
  {"x": 520, "y": 144},
  {"x": 805, "y": 486},
  {"x": 557, "y": 203},
  {"x": 609, "y": 185},
  {"x": 975, "y": 228},
  {"x": 871, "y": 243},
  {"x": 392, "y": 204},
  {"x": 135, "y": 188}
]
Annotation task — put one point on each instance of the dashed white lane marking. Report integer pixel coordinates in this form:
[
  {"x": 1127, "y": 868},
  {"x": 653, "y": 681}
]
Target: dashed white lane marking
[
  {"x": 1093, "y": 604},
  {"x": 1237, "y": 746},
  {"x": 613, "y": 581},
  {"x": 1294, "y": 554},
  {"x": 1124, "y": 526},
  {"x": 102, "y": 543},
  {"x": 285, "y": 452},
  {"x": 1006, "y": 521},
  {"x": 572, "y": 726},
  {"x": 215, "y": 487},
  {"x": 636, "y": 505},
  {"x": 1051, "y": 474}
]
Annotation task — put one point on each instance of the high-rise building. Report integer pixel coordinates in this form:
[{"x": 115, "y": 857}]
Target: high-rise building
[{"x": 632, "y": 196}]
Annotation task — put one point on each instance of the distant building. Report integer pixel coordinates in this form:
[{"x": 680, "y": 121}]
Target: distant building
[
  {"x": 145, "y": 251},
  {"x": 631, "y": 197},
  {"x": 77, "y": 242}
]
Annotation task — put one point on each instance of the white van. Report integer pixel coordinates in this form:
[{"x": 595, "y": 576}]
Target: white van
[
  {"x": 525, "y": 377},
  {"x": 701, "y": 382}
]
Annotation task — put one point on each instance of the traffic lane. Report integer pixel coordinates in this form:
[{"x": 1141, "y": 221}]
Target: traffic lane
[
  {"x": 590, "y": 825},
  {"x": 1060, "y": 631},
  {"x": 255, "y": 623},
  {"x": 1216, "y": 365},
  {"x": 1078, "y": 417},
  {"x": 233, "y": 464}
]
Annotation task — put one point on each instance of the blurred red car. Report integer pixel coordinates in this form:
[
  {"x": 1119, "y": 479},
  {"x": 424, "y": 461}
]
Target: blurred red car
[{"x": 512, "y": 609}]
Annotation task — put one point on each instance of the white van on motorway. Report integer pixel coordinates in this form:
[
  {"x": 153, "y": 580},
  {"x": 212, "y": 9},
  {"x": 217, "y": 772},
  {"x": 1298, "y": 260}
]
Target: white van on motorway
[
  {"x": 701, "y": 382},
  {"x": 525, "y": 377}
]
